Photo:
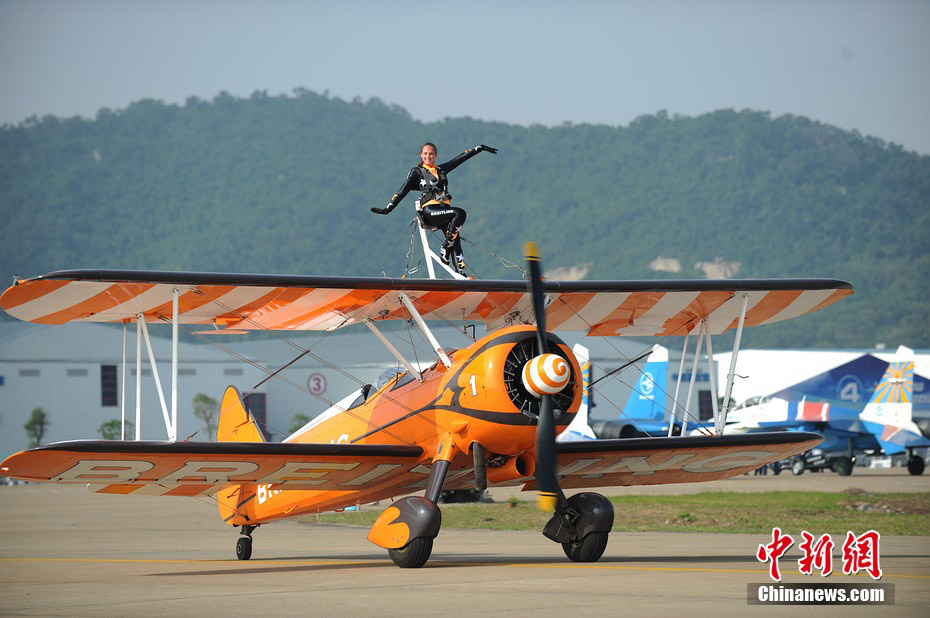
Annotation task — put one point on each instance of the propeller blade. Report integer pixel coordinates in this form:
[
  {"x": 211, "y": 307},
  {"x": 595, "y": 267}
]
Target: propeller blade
[
  {"x": 534, "y": 263},
  {"x": 550, "y": 494},
  {"x": 549, "y": 490}
]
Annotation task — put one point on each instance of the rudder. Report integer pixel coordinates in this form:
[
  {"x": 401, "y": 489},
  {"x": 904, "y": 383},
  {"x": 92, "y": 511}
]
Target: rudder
[{"x": 235, "y": 425}]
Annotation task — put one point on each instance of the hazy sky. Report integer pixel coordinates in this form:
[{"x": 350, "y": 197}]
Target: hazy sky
[{"x": 855, "y": 64}]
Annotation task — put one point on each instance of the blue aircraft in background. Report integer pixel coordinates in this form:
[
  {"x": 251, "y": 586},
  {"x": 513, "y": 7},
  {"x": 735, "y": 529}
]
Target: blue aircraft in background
[{"x": 863, "y": 406}]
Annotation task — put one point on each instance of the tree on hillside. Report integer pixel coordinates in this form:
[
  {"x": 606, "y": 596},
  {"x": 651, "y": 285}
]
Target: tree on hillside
[
  {"x": 36, "y": 427},
  {"x": 206, "y": 409},
  {"x": 112, "y": 429},
  {"x": 298, "y": 421}
]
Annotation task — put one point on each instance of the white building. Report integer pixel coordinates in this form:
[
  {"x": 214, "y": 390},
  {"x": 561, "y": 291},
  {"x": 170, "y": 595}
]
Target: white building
[{"x": 74, "y": 373}]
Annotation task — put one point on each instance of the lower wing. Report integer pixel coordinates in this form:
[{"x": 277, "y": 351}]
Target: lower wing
[
  {"x": 197, "y": 468},
  {"x": 687, "y": 459}
]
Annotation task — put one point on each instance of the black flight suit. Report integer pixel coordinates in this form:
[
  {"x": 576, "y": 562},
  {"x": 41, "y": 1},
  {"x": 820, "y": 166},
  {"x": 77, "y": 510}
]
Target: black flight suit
[{"x": 436, "y": 203}]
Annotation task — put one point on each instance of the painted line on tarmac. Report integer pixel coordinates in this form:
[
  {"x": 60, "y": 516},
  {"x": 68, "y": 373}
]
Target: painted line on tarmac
[
  {"x": 178, "y": 561},
  {"x": 538, "y": 565},
  {"x": 695, "y": 570}
]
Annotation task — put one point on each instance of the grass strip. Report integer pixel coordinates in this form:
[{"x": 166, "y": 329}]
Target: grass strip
[{"x": 716, "y": 512}]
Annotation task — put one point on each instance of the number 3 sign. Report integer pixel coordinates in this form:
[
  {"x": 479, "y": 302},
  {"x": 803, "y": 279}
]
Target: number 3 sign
[{"x": 316, "y": 383}]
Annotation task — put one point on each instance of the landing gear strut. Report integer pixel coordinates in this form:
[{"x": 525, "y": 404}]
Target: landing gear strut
[{"x": 244, "y": 544}]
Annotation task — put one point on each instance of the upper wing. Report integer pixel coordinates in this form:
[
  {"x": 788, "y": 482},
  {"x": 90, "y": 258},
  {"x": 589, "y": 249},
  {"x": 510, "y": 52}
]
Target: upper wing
[
  {"x": 291, "y": 302},
  {"x": 194, "y": 468}
]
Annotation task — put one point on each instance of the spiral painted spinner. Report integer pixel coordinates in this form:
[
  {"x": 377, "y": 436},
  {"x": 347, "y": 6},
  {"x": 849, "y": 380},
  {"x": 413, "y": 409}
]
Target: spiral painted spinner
[{"x": 546, "y": 374}]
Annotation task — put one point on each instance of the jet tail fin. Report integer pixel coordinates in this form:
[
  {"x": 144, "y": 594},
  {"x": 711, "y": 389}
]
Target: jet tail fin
[
  {"x": 889, "y": 415},
  {"x": 647, "y": 401},
  {"x": 579, "y": 428}
]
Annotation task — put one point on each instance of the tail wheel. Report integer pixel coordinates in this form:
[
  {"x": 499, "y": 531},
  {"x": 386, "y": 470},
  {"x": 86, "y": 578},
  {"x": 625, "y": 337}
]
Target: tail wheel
[
  {"x": 915, "y": 465},
  {"x": 244, "y": 548},
  {"x": 588, "y": 549},
  {"x": 414, "y": 554}
]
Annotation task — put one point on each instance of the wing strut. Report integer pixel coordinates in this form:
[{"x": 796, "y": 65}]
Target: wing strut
[
  {"x": 732, "y": 372},
  {"x": 122, "y": 390},
  {"x": 703, "y": 333},
  {"x": 426, "y": 331},
  {"x": 142, "y": 333},
  {"x": 172, "y": 436},
  {"x": 400, "y": 357},
  {"x": 681, "y": 370},
  {"x": 173, "y": 432},
  {"x": 139, "y": 319},
  {"x": 713, "y": 378},
  {"x": 694, "y": 367}
]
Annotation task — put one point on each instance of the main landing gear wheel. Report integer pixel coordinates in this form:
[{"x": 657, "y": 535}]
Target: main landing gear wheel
[
  {"x": 843, "y": 466},
  {"x": 588, "y": 549},
  {"x": 797, "y": 466},
  {"x": 244, "y": 548},
  {"x": 414, "y": 554},
  {"x": 915, "y": 465}
]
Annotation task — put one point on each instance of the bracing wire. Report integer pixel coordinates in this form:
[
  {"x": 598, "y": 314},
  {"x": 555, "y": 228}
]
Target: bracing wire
[
  {"x": 686, "y": 415},
  {"x": 317, "y": 358}
]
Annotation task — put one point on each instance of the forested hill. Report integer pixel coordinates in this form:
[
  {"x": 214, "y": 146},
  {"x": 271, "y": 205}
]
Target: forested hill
[{"x": 284, "y": 184}]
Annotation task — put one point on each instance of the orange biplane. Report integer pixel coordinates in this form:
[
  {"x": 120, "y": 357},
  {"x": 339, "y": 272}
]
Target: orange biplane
[{"x": 483, "y": 415}]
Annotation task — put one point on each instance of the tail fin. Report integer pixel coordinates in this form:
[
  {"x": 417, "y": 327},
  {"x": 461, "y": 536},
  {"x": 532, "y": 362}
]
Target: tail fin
[
  {"x": 891, "y": 403},
  {"x": 579, "y": 429},
  {"x": 647, "y": 401},
  {"x": 235, "y": 425},
  {"x": 897, "y": 384},
  {"x": 889, "y": 413}
]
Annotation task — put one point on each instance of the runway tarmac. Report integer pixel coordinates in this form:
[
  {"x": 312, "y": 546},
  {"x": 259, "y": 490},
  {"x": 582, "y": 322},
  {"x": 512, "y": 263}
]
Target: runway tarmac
[{"x": 67, "y": 552}]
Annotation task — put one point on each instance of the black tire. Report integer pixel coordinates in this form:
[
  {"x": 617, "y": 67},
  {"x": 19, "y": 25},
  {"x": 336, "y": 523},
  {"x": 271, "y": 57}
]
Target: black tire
[
  {"x": 588, "y": 549},
  {"x": 244, "y": 548},
  {"x": 843, "y": 466},
  {"x": 915, "y": 465},
  {"x": 797, "y": 466},
  {"x": 414, "y": 554}
]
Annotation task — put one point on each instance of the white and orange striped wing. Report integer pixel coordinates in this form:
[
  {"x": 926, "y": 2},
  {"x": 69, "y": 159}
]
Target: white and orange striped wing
[{"x": 288, "y": 302}]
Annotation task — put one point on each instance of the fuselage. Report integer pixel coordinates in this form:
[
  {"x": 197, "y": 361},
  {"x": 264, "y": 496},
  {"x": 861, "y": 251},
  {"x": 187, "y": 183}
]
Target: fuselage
[{"x": 479, "y": 398}]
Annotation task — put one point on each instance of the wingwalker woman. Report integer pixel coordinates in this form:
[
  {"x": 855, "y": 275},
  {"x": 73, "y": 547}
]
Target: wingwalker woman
[{"x": 436, "y": 201}]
